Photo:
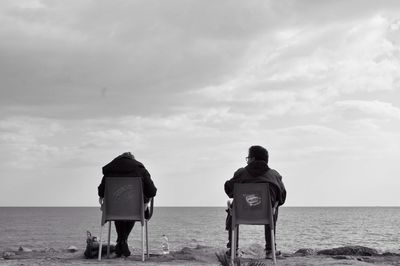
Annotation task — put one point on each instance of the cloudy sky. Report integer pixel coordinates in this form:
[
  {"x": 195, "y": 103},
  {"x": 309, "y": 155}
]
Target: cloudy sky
[{"x": 188, "y": 86}]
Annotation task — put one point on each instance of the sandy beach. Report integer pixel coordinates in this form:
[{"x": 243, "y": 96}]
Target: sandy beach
[{"x": 203, "y": 255}]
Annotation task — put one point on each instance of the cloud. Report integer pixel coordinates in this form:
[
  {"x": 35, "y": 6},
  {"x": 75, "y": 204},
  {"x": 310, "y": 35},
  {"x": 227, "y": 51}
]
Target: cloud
[
  {"x": 368, "y": 109},
  {"x": 25, "y": 141},
  {"x": 80, "y": 59},
  {"x": 188, "y": 86},
  {"x": 302, "y": 69},
  {"x": 67, "y": 55},
  {"x": 83, "y": 60}
]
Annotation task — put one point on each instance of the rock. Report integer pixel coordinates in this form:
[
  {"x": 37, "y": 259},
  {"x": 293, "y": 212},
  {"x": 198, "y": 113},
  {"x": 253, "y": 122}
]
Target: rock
[
  {"x": 305, "y": 252},
  {"x": 349, "y": 250},
  {"x": 390, "y": 254},
  {"x": 185, "y": 250},
  {"x": 24, "y": 249},
  {"x": 8, "y": 255},
  {"x": 50, "y": 250},
  {"x": 72, "y": 249},
  {"x": 340, "y": 257}
]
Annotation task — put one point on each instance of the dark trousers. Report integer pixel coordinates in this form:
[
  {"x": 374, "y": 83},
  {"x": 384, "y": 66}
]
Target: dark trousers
[
  {"x": 123, "y": 229},
  {"x": 267, "y": 231}
]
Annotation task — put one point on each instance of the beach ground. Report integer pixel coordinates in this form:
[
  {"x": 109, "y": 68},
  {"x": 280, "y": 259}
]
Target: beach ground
[{"x": 190, "y": 256}]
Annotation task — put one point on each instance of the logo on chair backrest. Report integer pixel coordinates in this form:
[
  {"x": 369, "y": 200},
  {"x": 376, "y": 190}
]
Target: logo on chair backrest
[
  {"x": 252, "y": 199},
  {"x": 123, "y": 193}
]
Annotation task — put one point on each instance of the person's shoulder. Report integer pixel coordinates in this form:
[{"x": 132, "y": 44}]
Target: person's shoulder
[
  {"x": 139, "y": 165},
  {"x": 274, "y": 172},
  {"x": 239, "y": 171},
  {"x": 236, "y": 175}
]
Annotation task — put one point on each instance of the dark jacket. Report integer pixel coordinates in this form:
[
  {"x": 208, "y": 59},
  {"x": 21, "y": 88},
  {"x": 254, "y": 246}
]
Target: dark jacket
[
  {"x": 259, "y": 172},
  {"x": 126, "y": 166}
]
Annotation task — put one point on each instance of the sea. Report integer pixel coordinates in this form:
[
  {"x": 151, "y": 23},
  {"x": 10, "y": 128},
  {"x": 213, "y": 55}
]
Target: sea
[{"x": 41, "y": 228}]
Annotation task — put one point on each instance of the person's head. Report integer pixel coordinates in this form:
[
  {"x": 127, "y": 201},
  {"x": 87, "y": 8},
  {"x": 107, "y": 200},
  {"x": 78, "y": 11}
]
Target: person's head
[
  {"x": 258, "y": 153},
  {"x": 128, "y": 155}
]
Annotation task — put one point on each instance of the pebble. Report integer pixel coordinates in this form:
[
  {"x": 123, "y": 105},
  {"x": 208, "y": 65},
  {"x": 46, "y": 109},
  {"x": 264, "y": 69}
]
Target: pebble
[
  {"x": 24, "y": 249},
  {"x": 305, "y": 252},
  {"x": 72, "y": 249},
  {"x": 8, "y": 254},
  {"x": 49, "y": 250}
]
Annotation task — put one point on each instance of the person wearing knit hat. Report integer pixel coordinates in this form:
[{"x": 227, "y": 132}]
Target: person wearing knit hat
[{"x": 257, "y": 170}]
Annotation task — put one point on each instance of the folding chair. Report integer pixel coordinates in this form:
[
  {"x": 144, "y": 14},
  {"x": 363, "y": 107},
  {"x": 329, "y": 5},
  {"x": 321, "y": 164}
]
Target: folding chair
[
  {"x": 123, "y": 201},
  {"x": 251, "y": 205}
]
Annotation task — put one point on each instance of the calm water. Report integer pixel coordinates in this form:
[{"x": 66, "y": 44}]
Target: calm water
[{"x": 298, "y": 227}]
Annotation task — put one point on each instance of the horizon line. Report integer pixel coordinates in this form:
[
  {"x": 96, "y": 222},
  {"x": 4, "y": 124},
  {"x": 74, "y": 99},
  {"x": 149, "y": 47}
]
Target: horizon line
[{"x": 197, "y": 206}]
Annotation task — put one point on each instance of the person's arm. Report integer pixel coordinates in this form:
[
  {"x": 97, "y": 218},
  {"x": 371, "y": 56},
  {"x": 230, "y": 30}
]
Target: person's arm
[
  {"x": 282, "y": 195},
  {"x": 100, "y": 192},
  {"x": 101, "y": 187},
  {"x": 229, "y": 188},
  {"x": 101, "y": 200},
  {"x": 231, "y": 182},
  {"x": 149, "y": 189}
]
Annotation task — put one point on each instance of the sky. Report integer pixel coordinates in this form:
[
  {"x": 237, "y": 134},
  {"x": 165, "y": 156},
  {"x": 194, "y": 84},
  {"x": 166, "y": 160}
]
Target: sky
[{"x": 189, "y": 86}]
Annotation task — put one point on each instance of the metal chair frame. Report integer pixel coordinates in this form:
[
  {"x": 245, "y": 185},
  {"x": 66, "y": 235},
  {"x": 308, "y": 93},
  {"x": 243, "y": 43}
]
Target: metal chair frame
[
  {"x": 267, "y": 220},
  {"x": 128, "y": 217}
]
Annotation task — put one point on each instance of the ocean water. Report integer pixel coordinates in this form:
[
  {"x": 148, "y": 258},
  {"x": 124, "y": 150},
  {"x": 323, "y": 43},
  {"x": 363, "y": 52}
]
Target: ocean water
[{"x": 298, "y": 227}]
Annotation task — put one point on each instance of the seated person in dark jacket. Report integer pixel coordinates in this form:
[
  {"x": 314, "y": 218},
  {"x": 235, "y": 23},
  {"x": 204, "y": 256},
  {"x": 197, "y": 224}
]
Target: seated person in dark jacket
[
  {"x": 257, "y": 171},
  {"x": 125, "y": 165}
]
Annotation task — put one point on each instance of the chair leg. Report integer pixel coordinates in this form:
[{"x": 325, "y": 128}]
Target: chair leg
[
  {"x": 100, "y": 242},
  {"x": 108, "y": 241},
  {"x": 273, "y": 246},
  {"x": 142, "y": 242},
  {"x": 237, "y": 238},
  {"x": 233, "y": 245},
  {"x": 147, "y": 240}
]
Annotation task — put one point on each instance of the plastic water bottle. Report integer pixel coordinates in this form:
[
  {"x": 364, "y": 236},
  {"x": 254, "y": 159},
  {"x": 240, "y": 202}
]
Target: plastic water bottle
[{"x": 164, "y": 245}]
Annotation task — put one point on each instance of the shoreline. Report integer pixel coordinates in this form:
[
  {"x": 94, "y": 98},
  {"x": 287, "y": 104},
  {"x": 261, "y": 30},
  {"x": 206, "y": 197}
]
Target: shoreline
[{"x": 204, "y": 255}]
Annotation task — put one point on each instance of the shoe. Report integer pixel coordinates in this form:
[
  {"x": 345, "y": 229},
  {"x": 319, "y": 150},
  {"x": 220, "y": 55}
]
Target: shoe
[
  {"x": 228, "y": 253},
  {"x": 268, "y": 254},
  {"x": 118, "y": 250},
  {"x": 125, "y": 249}
]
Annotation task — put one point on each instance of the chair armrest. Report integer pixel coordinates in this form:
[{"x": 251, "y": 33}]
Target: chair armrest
[
  {"x": 274, "y": 208},
  {"x": 150, "y": 208},
  {"x": 229, "y": 203}
]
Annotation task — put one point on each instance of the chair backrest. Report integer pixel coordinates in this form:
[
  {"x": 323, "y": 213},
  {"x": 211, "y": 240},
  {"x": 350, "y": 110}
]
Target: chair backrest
[
  {"x": 123, "y": 199},
  {"x": 252, "y": 204}
]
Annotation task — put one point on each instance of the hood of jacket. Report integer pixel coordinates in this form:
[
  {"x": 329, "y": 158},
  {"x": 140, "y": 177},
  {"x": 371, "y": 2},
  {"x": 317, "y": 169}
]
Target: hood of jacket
[
  {"x": 257, "y": 168},
  {"x": 124, "y": 163}
]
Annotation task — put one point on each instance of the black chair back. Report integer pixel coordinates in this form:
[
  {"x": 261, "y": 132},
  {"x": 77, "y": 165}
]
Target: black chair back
[
  {"x": 252, "y": 204},
  {"x": 123, "y": 199}
]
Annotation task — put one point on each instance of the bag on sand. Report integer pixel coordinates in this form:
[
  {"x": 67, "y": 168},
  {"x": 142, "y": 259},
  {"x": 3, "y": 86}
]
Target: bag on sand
[{"x": 92, "y": 247}]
